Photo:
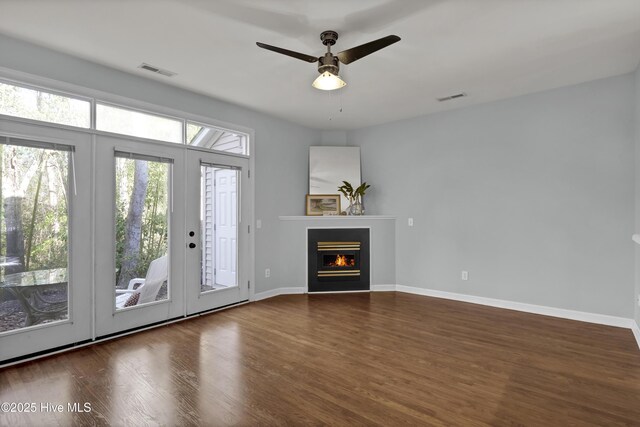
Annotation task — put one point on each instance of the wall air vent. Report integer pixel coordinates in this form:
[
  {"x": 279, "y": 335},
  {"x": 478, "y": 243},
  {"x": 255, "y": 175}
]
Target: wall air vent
[
  {"x": 449, "y": 98},
  {"x": 156, "y": 70}
]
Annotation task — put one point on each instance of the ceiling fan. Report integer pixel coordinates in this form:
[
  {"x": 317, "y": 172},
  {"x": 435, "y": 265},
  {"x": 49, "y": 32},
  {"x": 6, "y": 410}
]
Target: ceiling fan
[{"x": 329, "y": 64}]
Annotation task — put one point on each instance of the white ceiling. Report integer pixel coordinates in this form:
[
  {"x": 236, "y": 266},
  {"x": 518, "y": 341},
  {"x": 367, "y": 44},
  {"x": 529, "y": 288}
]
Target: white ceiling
[{"x": 490, "y": 49}]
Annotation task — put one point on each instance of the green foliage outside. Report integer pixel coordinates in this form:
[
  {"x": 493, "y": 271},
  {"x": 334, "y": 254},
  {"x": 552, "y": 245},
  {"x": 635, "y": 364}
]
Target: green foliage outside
[
  {"x": 36, "y": 181},
  {"x": 192, "y": 131},
  {"x": 153, "y": 242},
  {"x": 32, "y": 104},
  {"x": 39, "y": 179}
]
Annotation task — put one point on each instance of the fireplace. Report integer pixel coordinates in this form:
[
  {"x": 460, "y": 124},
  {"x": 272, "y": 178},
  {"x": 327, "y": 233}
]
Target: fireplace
[{"x": 338, "y": 259}]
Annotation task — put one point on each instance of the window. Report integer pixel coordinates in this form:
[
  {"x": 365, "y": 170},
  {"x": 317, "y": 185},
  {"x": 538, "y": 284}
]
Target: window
[
  {"x": 34, "y": 234},
  {"x": 136, "y": 123},
  {"x": 45, "y": 106},
  {"x": 219, "y": 219},
  {"x": 216, "y": 139},
  {"x": 142, "y": 229}
]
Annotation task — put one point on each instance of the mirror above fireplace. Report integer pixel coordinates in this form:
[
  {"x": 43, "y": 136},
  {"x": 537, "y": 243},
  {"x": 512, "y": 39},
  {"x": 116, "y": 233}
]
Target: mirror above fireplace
[{"x": 329, "y": 166}]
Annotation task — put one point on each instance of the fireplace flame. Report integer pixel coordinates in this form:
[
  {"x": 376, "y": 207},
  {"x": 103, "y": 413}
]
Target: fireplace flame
[{"x": 343, "y": 261}]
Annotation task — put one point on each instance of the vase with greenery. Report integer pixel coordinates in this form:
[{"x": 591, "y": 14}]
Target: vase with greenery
[{"x": 354, "y": 196}]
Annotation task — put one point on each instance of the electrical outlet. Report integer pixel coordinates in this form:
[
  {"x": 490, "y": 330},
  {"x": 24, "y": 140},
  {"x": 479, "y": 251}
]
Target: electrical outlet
[
  {"x": 464, "y": 275},
  {"x": 267, "y": 272},
  {"x": 410, "y": 222},
  {"x": 258, "y": 223}
]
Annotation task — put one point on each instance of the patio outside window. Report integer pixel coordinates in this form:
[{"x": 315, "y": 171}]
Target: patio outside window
[
  {"x": 142, "y": 230},
  {"x": 34, "y": 235}
]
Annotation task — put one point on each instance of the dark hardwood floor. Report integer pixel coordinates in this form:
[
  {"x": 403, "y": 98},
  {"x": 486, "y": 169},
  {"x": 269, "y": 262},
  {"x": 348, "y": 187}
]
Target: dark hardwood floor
[{"x": 352, "y": 359}]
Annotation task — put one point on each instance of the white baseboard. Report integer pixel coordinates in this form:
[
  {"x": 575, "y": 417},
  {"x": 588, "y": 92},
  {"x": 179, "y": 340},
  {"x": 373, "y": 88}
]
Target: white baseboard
[
  {"x": 275, "y": 292},
  {"x": 338, "y": 292},
  {"x": 582, "y": 316},
  {"x": 635, "y": 328},
  {"x": 383, "y": 288},
  {"x": 601, "y": 319},
  {"x": 300, "y": 290}
]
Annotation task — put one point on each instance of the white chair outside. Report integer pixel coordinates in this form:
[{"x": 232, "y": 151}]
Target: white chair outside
[{"x": 148, "y": 288}]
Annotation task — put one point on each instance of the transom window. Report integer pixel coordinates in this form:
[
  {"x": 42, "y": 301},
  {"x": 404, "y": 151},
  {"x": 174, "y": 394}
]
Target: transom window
[
  {"x": 216, "y": 139},
  {"x": 47, "y": 106},
  {"x": 135, "y": 123},
  {"x": 44, "y": 106}
]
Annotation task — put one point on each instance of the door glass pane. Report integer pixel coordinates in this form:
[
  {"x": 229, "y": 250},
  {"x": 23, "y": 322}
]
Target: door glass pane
[
  {"x": 34, "y": 236},
  {"x": 142, "y": 225},
  {"x": 219, "y": 227},
  {"x": 216, "y": 139}
]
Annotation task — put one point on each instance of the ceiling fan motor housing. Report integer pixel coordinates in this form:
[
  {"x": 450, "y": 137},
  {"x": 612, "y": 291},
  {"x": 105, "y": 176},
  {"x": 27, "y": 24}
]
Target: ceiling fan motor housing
[
  {"x": 329, "y": 37},
  {"x": 329, "y": 63}
]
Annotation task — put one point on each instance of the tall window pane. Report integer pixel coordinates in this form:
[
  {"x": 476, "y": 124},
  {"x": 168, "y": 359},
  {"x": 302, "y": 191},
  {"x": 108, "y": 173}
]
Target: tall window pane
[
  {"x": 219, "y": 225},
  {"x": 34, "y": 236},
  {"x": 38, "y": 105},
  {"x": 142, "y": 230},
  {"x": 135, "y": 123}
]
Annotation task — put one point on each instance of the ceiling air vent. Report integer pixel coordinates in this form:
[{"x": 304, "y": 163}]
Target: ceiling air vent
[
  {"x": 449, "y": 98},
  {"x": 156, "y": 70}
]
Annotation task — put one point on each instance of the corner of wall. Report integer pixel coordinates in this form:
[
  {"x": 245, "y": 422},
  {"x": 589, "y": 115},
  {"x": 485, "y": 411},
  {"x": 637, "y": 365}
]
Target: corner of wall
[
  {"x": 333, "y": 137},
  {"x": 636, "y": 332},
  {"x": 636, "y": 300}
]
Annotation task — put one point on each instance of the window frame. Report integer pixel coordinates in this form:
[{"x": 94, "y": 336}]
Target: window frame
[
  {"x": 55, "y": 92},
  {"x": 180, "y": 120},
  {"x": 69, "y": 90}
]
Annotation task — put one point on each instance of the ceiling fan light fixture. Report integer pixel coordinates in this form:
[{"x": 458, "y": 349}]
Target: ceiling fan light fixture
[
  {"x": 328, "y": 81},
  {"x": 329, "y": 64}
]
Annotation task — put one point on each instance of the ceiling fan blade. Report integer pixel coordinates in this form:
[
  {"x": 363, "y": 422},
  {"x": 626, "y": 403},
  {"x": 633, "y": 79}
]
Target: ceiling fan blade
[
  {"x": 297, "y": 55},
  {"x": 350, "y": 55}
]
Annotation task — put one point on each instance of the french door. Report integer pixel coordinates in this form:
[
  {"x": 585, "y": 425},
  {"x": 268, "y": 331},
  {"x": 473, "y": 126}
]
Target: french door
[
  {"x": 139, "y": 218},
  {"x": 102, "y": 234},
  {"x": 45, "y": 267},
  {"x": 171, "y": 239},
  {"x": 217, "y": 218}
]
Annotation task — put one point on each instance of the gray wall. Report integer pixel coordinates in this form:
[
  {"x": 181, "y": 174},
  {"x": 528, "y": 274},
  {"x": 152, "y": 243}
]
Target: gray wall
[
  {"x": 333, "y": 137},
  {"x": 280, "y": 148},
  {"x": 637, "y": 192},
  {"x": 534, "y": 196}
]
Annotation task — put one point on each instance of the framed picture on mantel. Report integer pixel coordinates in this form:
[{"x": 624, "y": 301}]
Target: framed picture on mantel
[{"x": 323, "y": 204}]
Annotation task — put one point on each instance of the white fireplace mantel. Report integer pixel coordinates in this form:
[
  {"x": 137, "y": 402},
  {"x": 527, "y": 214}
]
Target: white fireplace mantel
[{"x": 334, "y": 217}]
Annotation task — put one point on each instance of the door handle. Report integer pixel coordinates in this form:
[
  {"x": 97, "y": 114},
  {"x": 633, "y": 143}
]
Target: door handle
[{"x": 192, "y": 245}]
